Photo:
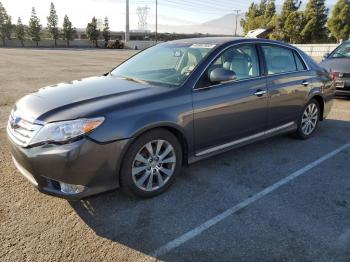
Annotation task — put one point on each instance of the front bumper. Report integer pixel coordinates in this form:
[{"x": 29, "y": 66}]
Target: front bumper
[
  {"x": 342, "y": 92},
  {"x": 84, "y": 162}
]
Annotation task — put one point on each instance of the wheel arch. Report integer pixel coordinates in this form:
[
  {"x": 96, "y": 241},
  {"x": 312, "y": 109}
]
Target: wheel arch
[
  {"x": 320, "y": 100},
  {"x": 170, "y": 127},
  {"x": 177, "y": 131}
]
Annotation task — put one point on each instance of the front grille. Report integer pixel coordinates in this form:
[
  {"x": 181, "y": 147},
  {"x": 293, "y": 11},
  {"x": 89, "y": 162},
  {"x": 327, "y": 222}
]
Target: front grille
[
  {"x": 346, "y": 75},
  {"x": 22, "y": 129},
  {"x": 339, "y": 84},
  {"x": 345, "y": 88}
]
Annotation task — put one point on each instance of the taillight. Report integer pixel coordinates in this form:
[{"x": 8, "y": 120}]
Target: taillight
[{"x": 333, "y": 75}]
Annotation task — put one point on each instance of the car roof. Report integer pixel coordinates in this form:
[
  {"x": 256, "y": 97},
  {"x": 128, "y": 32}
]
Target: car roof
[
  {"x": 207, "y": 40},
  {"x": 225, "y": 40}
]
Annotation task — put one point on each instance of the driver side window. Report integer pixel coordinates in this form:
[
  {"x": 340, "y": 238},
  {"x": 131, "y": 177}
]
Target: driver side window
[{"x": 241, "y": 60}]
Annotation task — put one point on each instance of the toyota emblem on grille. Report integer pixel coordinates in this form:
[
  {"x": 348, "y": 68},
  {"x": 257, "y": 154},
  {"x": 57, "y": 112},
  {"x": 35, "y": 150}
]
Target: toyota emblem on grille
[{"x": 14, "y": 122}]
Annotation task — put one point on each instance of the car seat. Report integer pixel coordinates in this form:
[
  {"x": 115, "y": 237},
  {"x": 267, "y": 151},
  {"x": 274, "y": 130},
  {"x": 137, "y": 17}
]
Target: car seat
[
  {"x": 190, "y": 61},
  {"x": 239, "y": 64}
]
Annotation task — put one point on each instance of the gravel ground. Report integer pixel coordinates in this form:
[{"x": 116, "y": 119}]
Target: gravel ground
[{"x": 305, "y": 220}]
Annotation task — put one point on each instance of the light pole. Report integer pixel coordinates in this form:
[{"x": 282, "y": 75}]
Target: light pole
[
  {"x": 127, "y": 24},
  {"x": 236, "y": 11},
  {"x": 156, "y": 37}
]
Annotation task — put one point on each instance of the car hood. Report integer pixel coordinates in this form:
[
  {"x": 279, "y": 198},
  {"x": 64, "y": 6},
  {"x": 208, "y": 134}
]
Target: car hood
[
  {"x": 66, "y": 96},
  {"x": 341, "y": 65}
]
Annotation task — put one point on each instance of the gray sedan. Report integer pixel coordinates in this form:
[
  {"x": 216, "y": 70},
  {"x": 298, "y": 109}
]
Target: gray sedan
[
  {"x": 168, "y": 106},
  {"x": 338, "y": 62}
]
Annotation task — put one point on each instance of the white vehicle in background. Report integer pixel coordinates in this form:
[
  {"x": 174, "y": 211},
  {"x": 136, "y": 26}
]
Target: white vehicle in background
[{"x": 259, "y": 33}]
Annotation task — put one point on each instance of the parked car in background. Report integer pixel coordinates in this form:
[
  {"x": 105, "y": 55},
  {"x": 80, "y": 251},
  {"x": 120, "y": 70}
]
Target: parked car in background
[
  {"x": 168, "y": 106},
  {"x": 115, "y": 44},
  {"x": 338, "y": 62}
]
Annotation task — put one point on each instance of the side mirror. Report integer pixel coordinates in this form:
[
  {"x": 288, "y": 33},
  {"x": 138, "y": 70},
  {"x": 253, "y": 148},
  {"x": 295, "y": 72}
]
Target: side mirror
[{"x": 220, "y": 75}]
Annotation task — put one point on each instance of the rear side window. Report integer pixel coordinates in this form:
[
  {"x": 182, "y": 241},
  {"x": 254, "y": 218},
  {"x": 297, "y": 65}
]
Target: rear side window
[
  {"x": 300, "y": 64},
  {"x": 279, "y": 59}
]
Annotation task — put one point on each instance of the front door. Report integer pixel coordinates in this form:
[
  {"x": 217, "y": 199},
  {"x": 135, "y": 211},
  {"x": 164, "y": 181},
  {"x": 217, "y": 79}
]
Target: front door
[{"x": 225, "y": 112}]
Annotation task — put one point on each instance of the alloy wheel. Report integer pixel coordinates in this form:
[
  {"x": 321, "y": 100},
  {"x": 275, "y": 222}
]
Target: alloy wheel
[
  {"x": 153, "y": 165},
  {"x": 309, "y": 119}
]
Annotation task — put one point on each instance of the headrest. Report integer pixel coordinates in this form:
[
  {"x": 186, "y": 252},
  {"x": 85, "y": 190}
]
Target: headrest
[
  {"x": 194, "y": 53},
  {"x": 240, "y": 57}
]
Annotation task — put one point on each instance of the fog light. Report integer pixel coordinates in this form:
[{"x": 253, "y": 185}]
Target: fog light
[{"x": 71, "y": 189}]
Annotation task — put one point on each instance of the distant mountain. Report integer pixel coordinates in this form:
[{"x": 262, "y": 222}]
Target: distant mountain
[
  {"x": 222, "y": 26},
  {"x": 226, "y": 24}
]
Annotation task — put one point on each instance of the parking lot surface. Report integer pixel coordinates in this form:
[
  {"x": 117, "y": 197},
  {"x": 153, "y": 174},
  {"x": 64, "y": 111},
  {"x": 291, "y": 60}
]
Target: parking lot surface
[{"x": 305, "y": 218}]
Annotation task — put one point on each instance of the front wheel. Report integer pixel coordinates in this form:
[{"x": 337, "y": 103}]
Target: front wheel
[
  {"x": 151, "y": 164},
  {"x": 308, "y": 121}
]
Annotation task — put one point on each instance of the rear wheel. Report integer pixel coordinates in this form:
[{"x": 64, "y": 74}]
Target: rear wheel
[
  {"x": 308, "y": 121},
  {"x": 151, "y": 164}
]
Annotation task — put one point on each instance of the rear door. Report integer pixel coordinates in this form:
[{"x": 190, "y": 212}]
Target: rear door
[
  {"x": 224, "y": 112},
  {"x": 288, "y": 84}
]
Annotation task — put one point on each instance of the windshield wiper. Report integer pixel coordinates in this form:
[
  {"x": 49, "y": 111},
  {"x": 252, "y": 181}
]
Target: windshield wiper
[{"x": 134, "y": 79}]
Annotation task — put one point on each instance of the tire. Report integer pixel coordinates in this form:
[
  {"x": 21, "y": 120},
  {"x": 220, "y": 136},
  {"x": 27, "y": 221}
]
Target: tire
[
  {"x": 147, "y": 175},
  {"x": 309, "y": 120}
]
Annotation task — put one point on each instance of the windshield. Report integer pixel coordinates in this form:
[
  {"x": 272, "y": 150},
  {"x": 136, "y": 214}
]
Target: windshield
[
  {"x": 165, "y": 64},
  {"x": 342, "y": 51}
]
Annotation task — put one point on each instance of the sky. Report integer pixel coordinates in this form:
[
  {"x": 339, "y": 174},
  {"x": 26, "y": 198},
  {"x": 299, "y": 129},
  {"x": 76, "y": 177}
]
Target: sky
[{"x": 170, "y": 12}]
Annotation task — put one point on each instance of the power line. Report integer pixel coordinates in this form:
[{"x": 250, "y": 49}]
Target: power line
[
  {"x": 237, "y": 12},
  {"x": 188, "y": 6},
  {"x": 208, "y": 7}
]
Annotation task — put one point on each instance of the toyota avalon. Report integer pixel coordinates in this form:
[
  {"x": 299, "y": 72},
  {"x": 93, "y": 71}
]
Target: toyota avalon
[{"x": 168, "y": 106}]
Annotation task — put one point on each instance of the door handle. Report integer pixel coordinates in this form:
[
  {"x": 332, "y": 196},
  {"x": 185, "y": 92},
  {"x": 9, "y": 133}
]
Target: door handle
[
  {"x": 260, "y": 92},
  {"x": 305, "y": 83}
]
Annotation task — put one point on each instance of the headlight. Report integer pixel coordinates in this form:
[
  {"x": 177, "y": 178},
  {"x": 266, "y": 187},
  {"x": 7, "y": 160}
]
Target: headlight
[{"x": 66, "y": 130}]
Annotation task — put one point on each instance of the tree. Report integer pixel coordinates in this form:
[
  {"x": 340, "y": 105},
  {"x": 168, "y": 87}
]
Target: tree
[
  {"x": 316, "y": 14},
  {"x": 250, "y": 16},
  {"x": 294, "y": 24},
  {"x": 270, "y": 12},
  {"x": 92, "y": 32},
  {"x": 259, "y": 15},
  {"x": 289, "y": 6},
  {"x": 34, "y": 27},
  {"x": 20, "y": 31},
  {"x": 68, "y": 30},
  {"x": 262, "y": 7},
  {"x": 339, "y": 23},
  {"x": 106, "y": 31},
  {"x": 5, "y": 25},
  {"x": 52, "y": 23}
]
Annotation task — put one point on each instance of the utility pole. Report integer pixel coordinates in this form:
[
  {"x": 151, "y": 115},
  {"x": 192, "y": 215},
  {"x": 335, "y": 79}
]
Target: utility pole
[
  {"x": 127, "y": 24},
  {"x": 237, "y": 12},
  {"x": 156, "y": 21}
]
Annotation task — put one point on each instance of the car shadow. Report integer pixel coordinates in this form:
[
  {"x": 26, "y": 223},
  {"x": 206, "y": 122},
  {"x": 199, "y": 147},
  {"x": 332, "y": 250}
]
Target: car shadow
[
  {"x": 204, "y": 189},
  {"x": 344, "y": 98}
]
